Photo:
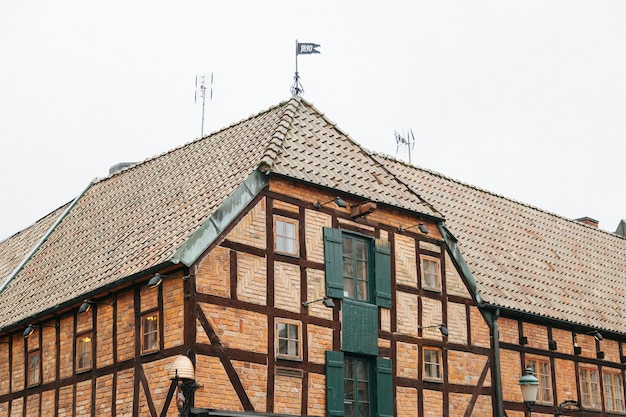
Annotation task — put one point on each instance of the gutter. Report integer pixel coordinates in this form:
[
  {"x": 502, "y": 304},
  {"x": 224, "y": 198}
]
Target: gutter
[
  {"x": 491, "y": 315},
  {"x": 43, "y": 239}
]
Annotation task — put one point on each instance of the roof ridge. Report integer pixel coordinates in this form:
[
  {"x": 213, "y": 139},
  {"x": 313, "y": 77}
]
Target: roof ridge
[
  {"x": 484, "y": 190},
  {"x": 278, "y": 137},
  {"x": 206, "y": 137}
]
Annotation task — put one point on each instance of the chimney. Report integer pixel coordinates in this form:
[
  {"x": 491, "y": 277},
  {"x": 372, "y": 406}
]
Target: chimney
[
  {"x": 588, "y": 221},
  {"x": 118, "y": 167},
  {"x": 621, "y": 228}
]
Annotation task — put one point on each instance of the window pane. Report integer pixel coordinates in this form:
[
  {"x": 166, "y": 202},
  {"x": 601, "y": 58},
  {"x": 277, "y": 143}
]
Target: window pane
[
  {"x": 293, "y": 331},
  {"x": 282, "y": 330}
]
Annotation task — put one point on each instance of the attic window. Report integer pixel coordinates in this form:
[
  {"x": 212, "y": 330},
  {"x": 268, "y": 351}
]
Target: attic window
[{"x": 286, "y": 236}]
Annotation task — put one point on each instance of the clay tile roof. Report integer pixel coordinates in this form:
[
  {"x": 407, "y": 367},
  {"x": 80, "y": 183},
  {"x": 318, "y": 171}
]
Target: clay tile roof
[
  {"x": 136, "y": 219},
  {"x": 527, "y": 259}
]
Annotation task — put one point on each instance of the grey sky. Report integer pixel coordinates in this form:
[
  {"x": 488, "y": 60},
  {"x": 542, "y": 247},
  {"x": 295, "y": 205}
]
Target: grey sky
[{"x": 526, "y": 99}]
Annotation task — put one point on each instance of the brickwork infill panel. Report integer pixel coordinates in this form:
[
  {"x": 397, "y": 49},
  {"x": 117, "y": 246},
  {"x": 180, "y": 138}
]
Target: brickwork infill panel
[
  {"x": 252, "y": 278},
  {"x": 465, "y": 368},
  {"x": 406, "y": 264},
  {"x": 217, "y": 391},
  {"x": 251, "y": 229},
  {"x": 173, "y": 312},
  {"x": 287, "y": 287},
  {"x": 253, "y": 377},
  {"x": 565, "y": 377},
  {"x": 287, "y": 395},
  {"x": 315, "y": 223},
  {"x": 317, "y": 395},
  {"x": 213, "y": 273},
  {"x": 237, "y": 328}
]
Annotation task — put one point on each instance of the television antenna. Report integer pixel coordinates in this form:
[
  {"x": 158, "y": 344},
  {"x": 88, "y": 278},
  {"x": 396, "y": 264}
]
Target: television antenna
[
  {"x": 201, "y": 93},
  {"x": 405, "y": 139}
]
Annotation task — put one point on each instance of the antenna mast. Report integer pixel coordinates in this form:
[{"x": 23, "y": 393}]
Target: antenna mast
[
  {"x": 407, "y": 139},
  {"x": 201, "y": 90}
]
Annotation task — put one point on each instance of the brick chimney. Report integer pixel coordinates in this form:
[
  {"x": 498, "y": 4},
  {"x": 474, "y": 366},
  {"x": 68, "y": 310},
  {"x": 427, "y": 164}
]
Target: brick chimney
[{"x": 588, "y": 221}]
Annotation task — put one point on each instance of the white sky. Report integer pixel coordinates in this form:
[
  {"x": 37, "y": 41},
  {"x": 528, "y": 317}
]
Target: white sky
[{"x": 526, "y": 99}]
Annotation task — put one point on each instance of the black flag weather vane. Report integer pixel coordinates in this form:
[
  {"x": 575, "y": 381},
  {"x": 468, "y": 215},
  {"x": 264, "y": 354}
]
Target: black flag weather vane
[{"x": 302, "y": 49}]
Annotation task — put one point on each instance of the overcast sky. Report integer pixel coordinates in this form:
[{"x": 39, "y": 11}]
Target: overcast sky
[{"x": 526, "y": 99}]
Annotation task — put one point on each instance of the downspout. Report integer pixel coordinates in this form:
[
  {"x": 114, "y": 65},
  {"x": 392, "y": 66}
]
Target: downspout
[
  {"x": 497, "y": 375},
  {"x": 43, "y": 239},
  {"x": 491, "y": 315}
]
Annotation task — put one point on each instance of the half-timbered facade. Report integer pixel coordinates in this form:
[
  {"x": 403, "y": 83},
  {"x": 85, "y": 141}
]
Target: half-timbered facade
[
  {"x": 295, "y": 273},
  {"x": 552, "y": 290}
]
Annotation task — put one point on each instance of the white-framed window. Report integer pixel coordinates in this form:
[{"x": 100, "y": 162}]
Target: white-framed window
[
  {"x": 431, "y": 359},
  {"x": 431, "y": 273},
  {"x": 83, "y": 352},
  {"x": 590, "y": 388},
  {"x": 150, "y": 332},
  {"x": 541, "y": 369},
  {"x": 288, "y": 339},
  {"x": 286, "y": 236},
  {"x": 613, "y": 391}
]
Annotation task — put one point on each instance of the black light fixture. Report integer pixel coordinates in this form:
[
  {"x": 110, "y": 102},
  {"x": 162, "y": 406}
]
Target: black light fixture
[
  {"x": 328, "y": 302},
  {"x": 338, "y": 201},
  {"x": 529, "y": 385},
  {"x": 442, "y": 328},
  {"x": 31, "y": 328},
  {"x": 596, "y": 334},
  {"x": 86, "y": 305},
  {"x": 421, "y": 226},
  {"x": 157, "y": 279}
]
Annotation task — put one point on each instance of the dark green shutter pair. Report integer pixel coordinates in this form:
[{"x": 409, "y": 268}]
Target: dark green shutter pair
[
  {"x": 333, "y": 267},
  {"x": 382, "y": 386}
]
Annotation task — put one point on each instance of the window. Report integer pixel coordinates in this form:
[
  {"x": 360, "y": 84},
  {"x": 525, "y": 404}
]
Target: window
[
  {"x": 432, "y": 364},
  {"x": 288, "y": 334},
  {"x": 541, "y": 369},
  {"x": 431, "y": 277},
  {"x": 34, "y": 368},
  {"x": 613, "y": 392},
  {"x": 357, "y": 267},
  {"x": 149, "y": 332},
  {"x": 357, "y": 387},
  {"x": 286, "y": 236},
  {"x": 590, "y": 388},
  {"x": 83, "y": 352}
]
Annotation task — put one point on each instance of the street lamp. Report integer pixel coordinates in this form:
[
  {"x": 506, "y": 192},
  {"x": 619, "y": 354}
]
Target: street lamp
[{"x": 529, "y": 384}]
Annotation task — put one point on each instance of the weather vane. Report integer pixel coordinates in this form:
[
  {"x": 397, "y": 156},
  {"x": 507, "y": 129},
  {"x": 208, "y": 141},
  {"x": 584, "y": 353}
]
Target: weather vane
[
  {"x": 409, "y": 141},
  {"x": 302, "y": 49},
  {"x": 201, "y": 92}
]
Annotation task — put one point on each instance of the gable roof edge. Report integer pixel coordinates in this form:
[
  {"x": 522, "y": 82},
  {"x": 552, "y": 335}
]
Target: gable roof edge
[
  {"x": 220, "y": 219},
  {"x": 43, "y": 239},
  {"x": 276, "y": 143}
]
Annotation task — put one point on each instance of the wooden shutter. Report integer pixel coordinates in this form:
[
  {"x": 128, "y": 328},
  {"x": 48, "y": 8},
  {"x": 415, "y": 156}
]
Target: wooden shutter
[
  {"x": 359, "y": 329},
  {"x": 333, "y": 262},
  {"x": 334, "y": 383},
  {"x": 382, "y": 273},
  {"x": 384, "y": 388}
]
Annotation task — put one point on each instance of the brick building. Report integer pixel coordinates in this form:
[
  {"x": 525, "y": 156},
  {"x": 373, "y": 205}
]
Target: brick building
[{"x": 275, "y": 267}]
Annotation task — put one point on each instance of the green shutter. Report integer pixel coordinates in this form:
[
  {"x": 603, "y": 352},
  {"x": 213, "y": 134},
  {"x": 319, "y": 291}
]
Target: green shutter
[
  {"x": 384, "y": 388},
  {"x": 382, "y": 273},
  {"x": 359, "y": 327},
  {"x": 334, "y": 383},
  {"x": 333, "y": 262}
]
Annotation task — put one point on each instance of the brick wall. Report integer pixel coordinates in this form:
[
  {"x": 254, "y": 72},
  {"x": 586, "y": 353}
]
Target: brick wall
[{"x": 406, "y": 402}]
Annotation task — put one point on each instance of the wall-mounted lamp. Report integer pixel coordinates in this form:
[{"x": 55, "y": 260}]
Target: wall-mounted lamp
[
  {"x": 421, "y": 226},
  {"x": 529, "y": 385},
  {"x": 86, "y": 305},
  {"x": 567, "y": 406},
  {"x": 157, "y": 279},
  {"x": 183, "y": 375},
  {"x": 328, "y": 302},
  {"x": 442, "y": 328},
  {"x": 338, "y": 201},
  {"x": 31, "y": 328},
  {"x": 596, "y": 334}
]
